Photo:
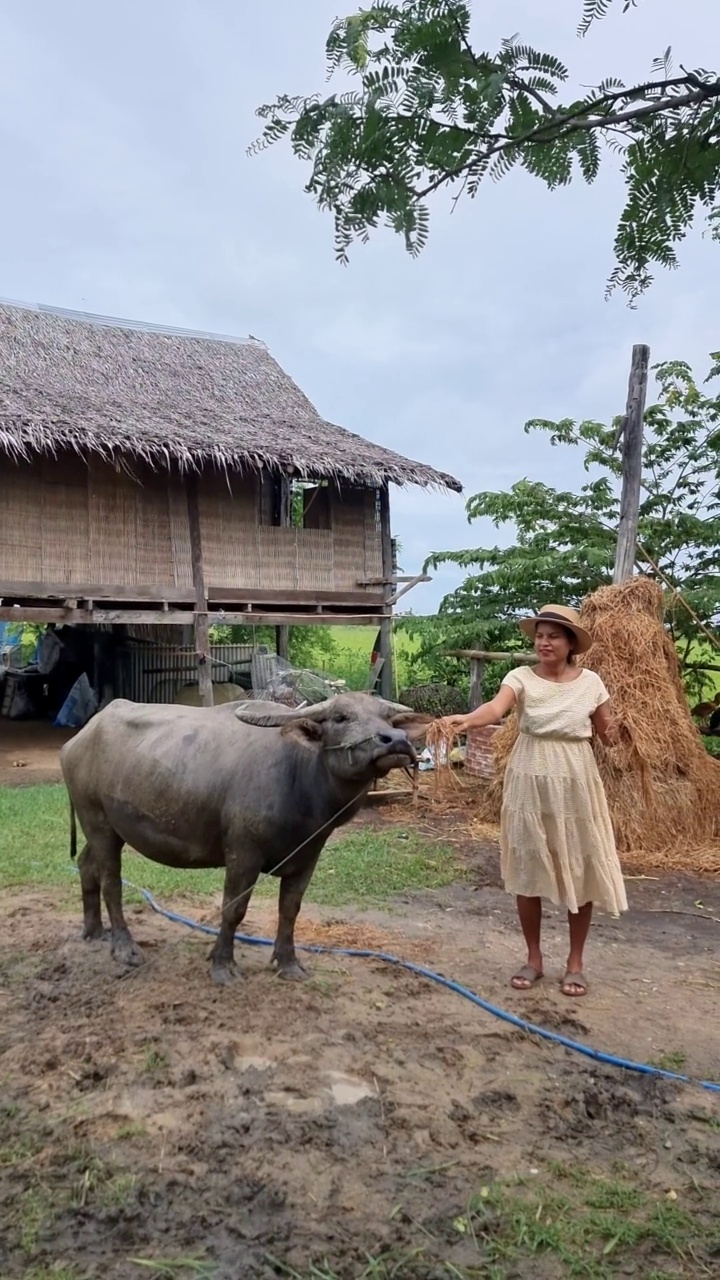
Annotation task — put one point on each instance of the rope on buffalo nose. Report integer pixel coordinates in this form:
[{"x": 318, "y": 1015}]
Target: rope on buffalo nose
[{"x": 575, "y": 1046}]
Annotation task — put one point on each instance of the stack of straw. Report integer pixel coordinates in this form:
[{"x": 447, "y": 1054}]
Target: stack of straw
[{"x": 663, "y": 788}]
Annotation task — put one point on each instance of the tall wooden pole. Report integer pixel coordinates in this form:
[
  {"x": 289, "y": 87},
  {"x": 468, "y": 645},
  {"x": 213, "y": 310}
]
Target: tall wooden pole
[
  {"x": 477, "y": 674},
  {"x": 284, "y": 517},
  {"x": 630, "y": 436},
  {"x": 387, "y": 682},
  {"x": 282, "y": 642},
  {"x": 202, "y": 628}
]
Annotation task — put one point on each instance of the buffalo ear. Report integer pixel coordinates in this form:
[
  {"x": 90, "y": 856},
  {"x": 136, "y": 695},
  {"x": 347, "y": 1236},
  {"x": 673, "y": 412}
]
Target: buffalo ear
[
  {"x": 303, "y": 730},
  {"x": 415, "y": 724}
]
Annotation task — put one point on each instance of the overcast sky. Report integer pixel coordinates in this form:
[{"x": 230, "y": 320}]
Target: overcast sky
[{"x": 128, "y": 192}]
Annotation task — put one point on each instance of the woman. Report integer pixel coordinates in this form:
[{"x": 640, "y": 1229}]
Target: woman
[{"x": 556, "y": 838}]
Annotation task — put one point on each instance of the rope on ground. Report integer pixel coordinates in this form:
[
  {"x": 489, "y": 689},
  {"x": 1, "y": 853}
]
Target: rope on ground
[{"x": 597, "y": 1055}]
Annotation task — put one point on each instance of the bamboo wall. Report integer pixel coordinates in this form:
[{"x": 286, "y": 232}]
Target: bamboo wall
[{"x": 64, "y": 522}]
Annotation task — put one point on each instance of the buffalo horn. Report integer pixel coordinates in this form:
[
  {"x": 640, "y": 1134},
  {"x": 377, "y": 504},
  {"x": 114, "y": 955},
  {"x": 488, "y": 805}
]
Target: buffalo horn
[{"x": 272, "y": 715}]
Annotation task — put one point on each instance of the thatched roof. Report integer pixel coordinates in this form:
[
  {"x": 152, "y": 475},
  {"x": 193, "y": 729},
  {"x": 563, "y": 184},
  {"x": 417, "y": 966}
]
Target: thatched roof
[{"x": 110, "y": 386}]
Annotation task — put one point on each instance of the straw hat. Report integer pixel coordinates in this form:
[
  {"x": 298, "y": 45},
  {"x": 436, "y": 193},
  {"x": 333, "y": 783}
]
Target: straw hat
[{"x": 567, "y": 617}]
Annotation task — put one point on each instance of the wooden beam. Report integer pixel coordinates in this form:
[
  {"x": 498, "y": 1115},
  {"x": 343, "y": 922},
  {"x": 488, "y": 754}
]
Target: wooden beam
[
  {"x": 162, "y": 597},
  {"x": 630, "y": 433},
  {"x": 388, "y": 794},
  {"x": 481, "y": 655},
  {"x": 413, "y": 582},
  {"x": 84, "y": 591},
  {"x": 15, "y": 590},
  {"x": 253, "y": 595},
  {"x": 387, "y": 680},
  {"x": 202, "y": 625},
  {"x": 392, "y": 581},
  {"x": 181, "y": 618}
]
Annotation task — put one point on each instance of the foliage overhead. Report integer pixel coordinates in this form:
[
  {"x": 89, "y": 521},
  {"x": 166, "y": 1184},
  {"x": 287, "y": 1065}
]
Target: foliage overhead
[
  {"x": 565, "y": 541},
  {"x": 432, "y": 111}
]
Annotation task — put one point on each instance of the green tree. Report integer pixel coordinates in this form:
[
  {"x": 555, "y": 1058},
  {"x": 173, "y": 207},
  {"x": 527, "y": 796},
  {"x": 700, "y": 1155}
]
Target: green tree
[
  {"x": 565, "y": 541},
  {"x": 431, "y": 111}
]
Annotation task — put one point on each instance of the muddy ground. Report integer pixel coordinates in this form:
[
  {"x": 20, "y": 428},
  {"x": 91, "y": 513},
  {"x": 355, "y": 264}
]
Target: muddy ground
[
  {"x": 29, "y": 752},
  {"x": 268, "y": 1126},
  {"x": 368, "y": 1123}
]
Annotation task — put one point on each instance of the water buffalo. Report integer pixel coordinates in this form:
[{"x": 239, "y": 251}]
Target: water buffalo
[{"x": 254, "y": 787}]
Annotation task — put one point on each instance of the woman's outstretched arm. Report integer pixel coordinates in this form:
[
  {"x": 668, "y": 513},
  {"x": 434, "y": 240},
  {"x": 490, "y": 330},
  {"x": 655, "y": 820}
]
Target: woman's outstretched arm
[{"x": 489, "y": 713}]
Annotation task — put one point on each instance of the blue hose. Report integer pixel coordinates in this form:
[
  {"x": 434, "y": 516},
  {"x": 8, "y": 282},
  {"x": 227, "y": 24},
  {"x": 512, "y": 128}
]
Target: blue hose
[{"x": 608, "y": 1059}]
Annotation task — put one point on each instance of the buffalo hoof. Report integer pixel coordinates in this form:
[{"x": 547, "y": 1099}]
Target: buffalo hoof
[
  {"x": 96, "y": 933},
  {"x": 127, "y": 953},
  {"x": 222, "y": 974},
  {"x": 293, "y": 972}
]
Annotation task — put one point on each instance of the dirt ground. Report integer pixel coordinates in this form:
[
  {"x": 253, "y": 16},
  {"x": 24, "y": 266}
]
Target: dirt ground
[
  {"x": 151, "y": 1124},
  {"x": 269, "y": 1125},
  {"x": 29, "y": 752}
]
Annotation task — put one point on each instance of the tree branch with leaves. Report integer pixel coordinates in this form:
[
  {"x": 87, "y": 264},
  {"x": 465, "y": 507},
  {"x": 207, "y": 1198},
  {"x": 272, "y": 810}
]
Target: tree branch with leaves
[
  {"x": 432, "y": 112},
  {"x": 564, "y": 545}
]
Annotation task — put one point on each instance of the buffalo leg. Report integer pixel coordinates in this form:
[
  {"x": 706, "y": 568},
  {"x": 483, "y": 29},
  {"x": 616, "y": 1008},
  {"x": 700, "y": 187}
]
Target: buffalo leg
[
  {"x": 239, "y": 885},
  {"x": 90, "y": 882},
  {"x": 292, "y": 889},
  {"x": 108, "y": 848}
]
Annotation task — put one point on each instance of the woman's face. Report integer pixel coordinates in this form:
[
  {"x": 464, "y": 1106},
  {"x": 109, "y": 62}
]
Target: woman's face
[{"x": 552, "y": 643}]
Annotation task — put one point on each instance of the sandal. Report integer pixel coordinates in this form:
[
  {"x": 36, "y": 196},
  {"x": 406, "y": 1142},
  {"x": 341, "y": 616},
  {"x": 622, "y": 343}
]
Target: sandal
[
  {"x": 525, "y": 978},
  {"x": 577, "y": 980}
]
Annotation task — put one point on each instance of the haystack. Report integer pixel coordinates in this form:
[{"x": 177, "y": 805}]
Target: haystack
[{"x": 663, "y": 788}]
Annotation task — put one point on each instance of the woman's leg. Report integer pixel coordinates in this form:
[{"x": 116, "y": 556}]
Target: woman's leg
[
  {"x": 530, "y": 913},
  {"x": 579, "y": 922}
]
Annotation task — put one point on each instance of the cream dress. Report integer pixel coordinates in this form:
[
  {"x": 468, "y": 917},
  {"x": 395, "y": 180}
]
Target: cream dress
[{"x": 556, "y": 839}]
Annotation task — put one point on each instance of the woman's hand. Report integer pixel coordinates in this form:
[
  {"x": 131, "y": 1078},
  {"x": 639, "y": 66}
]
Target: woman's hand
[
  {"x": 489, "y": 713},
  {"x": 454, "y": 724},
  {"x": 609, "y": 730},
  {"x": 617, "y": 732}
]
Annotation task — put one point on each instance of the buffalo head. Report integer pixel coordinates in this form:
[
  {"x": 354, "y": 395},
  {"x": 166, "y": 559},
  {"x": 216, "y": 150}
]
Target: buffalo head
[{"x": 362, "y": 736}]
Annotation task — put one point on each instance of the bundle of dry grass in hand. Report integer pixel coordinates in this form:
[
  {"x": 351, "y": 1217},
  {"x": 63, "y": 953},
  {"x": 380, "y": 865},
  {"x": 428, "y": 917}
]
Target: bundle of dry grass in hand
[
  {"x": 441, "y": 742},
  {"x": 663, "y": 788}
]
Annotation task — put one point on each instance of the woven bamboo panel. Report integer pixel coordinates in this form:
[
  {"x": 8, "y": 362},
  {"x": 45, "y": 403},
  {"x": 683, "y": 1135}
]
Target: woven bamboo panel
[
  {"x": 154, "y": 539},
  {"x": 112, "y": 526},
  {"x": 265, "y": 498},
  {"x": 228, "y": 526},
  {"x": 62, "y": 495},
  {"x": 349, "y": 517},
  {"x": 373, "y": 535},
  {"x": 129, "y": 533},
  {"x": 20, "y": 523},
  {"x": 179, "y": 532},
  {"x": 296, "y": 559}
]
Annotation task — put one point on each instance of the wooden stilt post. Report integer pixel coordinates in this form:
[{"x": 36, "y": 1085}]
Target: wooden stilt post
[
  {"x": 282, "y": 637},
  {"x": 477, "y": 673},
  {"x": 284, "y": 519},
  {"x": 630, "y": 437},
  {"x": 202, "y": 628},
  {"x": 387, "y": 681}
]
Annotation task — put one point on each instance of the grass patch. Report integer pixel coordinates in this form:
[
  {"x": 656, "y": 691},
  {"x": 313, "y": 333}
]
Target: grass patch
[
  {"x": 177, "y": 1268},
  {"x": 56, "y": 1272},
  {"x": 155, "y": 1060},
  {"x": 125, "y": 1132},
  {"x": 590, "y": 1226},
  {"x": 670, "y": 1060},
  {"x": 566, "y": 1223},
  {"x": 350, "y": 660},
  {"x": 358, "y": 865}
]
